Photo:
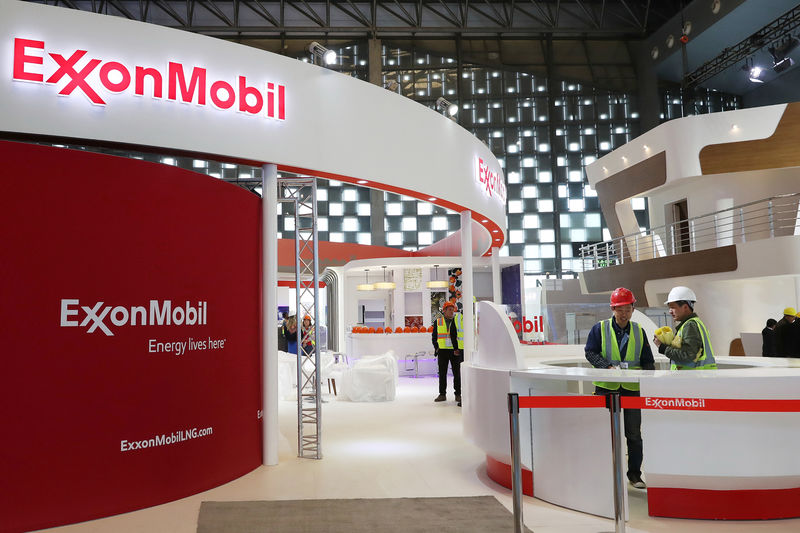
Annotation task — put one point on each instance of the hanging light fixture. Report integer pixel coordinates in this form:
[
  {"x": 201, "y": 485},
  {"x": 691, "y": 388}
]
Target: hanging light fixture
[
  {"x": 385, "y": 284},
  {"x": 436, "y": 284},
  {"x": 367, "y": 286}
]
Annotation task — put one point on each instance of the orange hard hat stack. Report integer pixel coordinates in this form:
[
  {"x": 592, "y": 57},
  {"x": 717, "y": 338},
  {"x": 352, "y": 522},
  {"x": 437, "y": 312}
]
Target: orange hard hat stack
[
  {"x": 414, "y": 329},
  {"x": 398, "y": 329},
  {"x": 407, "y": 329},
  {"x": 622, "y": 296},
  {"x": 378, "y": 330},
  {"x": 371, "y": 330}
]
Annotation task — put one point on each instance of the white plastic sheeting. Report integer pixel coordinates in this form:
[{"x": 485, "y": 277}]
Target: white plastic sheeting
[{"x": 373, "y": 378}]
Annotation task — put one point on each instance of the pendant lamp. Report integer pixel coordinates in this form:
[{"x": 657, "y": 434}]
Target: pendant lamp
[
  {"x": 385, "y": 284},
  {"x": 367, "y": 286},
  {"x": 436, "y": 284}
]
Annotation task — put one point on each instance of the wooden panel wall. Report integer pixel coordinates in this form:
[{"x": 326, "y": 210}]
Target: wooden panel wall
[
  {"x": 634, "y": 275},
  {"x": 627, "y": 183},
  {"x": 780, "y": 150}
]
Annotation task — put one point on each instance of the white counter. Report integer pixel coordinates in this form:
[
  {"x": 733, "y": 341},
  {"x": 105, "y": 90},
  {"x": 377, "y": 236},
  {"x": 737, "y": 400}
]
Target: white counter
[
  {"x": 696, "y": 464},
  {"x": 404, "y": 345}
]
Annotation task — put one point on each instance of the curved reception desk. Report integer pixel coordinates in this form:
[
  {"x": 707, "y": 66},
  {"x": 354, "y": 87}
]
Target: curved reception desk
[{"x": 697, "y": 464}]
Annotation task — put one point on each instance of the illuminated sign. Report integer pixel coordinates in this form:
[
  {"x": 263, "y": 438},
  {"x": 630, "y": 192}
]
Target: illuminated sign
[
  {"x": 180, "y": 83},
  {"x": 491, "y": 181}
]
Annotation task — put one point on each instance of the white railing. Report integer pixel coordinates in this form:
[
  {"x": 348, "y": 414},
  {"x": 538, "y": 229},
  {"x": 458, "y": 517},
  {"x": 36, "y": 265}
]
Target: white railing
[{"x": 763, "y": 219}]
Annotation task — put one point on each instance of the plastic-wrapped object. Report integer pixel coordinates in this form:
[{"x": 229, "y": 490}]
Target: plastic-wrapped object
[{"x": 372, "y": 378}]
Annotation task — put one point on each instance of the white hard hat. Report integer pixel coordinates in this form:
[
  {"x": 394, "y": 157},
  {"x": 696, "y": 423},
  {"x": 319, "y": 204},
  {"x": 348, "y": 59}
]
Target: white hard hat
[{"x": 680, "y": 293}]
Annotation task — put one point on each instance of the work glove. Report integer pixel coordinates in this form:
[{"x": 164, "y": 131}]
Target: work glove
[{"x": 665, "y": 335}]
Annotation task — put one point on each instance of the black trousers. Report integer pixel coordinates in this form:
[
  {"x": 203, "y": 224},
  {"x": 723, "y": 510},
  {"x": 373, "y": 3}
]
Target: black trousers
[
  {"x": 444, "y": 358},
  {"x": 632, "y": 419}
]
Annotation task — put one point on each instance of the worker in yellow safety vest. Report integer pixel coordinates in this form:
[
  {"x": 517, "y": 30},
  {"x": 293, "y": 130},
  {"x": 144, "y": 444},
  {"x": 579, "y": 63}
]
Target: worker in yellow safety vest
[
  {"x": 690, "y": 348},
  {"x": 448, "y": 345},
  {"x": 619, "y": 343}
]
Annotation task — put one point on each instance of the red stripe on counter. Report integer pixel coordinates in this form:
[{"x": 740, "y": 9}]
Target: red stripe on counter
[
  {"x": 752, "y": 504},
  {"x": 500, "y": 473}
]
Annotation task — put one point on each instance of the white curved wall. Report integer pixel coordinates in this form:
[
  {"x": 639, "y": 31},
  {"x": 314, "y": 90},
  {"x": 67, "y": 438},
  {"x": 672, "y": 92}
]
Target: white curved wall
[{"x": 683, "y": 138}]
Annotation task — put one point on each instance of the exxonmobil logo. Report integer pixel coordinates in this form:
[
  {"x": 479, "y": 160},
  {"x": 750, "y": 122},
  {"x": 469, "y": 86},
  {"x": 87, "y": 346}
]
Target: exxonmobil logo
[
  {"x": 158, "y": 313},
  {"x": 536, "y": 325},
  {"x": 492, "y": 182},
  {"x": 675, "y": 403},
  {"x": 81, "y": 72}
]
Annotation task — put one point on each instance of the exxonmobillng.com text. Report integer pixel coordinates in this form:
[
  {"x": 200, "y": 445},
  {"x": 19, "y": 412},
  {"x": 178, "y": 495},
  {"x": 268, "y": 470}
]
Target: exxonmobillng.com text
[{"x": 164, "y": 439}]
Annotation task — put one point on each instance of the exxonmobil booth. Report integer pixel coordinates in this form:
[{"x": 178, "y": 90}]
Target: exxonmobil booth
[{"x": 133, "y": 291}]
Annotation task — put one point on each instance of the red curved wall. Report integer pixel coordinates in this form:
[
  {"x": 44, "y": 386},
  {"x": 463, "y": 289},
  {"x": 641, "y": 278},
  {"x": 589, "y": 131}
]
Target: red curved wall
[{"x": 81, "y": 405}]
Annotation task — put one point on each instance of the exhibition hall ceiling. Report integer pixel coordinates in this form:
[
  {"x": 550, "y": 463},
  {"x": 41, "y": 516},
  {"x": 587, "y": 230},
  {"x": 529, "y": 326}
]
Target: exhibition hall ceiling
[{"x": 587, "y": 39}]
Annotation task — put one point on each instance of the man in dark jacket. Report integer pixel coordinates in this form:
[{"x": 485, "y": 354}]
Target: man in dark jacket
[
  {"x": 786, "y": 344},
  {"x": 768, "y": 339},
  {"x": 448, "y": 344},
  {"x": 620, "y": 343}
]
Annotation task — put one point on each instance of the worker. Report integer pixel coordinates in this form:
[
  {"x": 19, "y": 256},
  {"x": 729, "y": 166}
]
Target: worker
[
  {"x": 307, "y": 336},
  {"x": 448, "y": 345},
  {"x": 768, "y": 339},
  {"x": 608, "y": 341},
  {"x": 786, "y": 334},
  {"x": 691, "y": 347}
]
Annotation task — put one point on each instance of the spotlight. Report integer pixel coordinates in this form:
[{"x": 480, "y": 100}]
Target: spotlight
[
  {"x": 328, "y": 57},
  {"x": 783, "y": 64},
  {"x": 756, "y": 73},
  {"x": 780, "y": 54},
  {"x": 444, "y": 105}
]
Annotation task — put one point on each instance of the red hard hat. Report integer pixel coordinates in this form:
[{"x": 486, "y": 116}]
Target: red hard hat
[{"x": 622, "y": 296}]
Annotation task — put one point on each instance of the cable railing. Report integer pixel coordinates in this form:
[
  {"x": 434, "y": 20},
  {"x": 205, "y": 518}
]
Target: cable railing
[{"x": 776, "y": 216}]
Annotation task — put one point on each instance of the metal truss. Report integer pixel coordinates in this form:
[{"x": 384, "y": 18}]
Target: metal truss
[
  {"x": 302, "y": 193},
  {"x": 391, "y": 18},
  {"x": 774, "y": 31}
]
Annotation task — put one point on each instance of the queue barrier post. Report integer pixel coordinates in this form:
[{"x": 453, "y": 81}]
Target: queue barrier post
[
  {"x": 516, "y": 468},
  {"x": 614, "y": 409},
  {"x": 611, "y": 402},
  {"x": 614, "y": 403}
]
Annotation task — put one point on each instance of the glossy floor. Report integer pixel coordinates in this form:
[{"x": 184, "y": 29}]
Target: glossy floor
[{"x": 407, "y": 448}]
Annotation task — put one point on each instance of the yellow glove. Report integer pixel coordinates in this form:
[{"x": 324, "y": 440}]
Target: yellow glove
[{"x": 665, "y": 335}]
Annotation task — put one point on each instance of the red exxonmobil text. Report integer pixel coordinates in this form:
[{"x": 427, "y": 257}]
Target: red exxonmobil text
[{"x": 82, "y": 72}]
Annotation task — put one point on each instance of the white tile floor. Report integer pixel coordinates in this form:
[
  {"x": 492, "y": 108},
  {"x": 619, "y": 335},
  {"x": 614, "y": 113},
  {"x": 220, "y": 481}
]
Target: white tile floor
[{"x": 406, "y": 448}]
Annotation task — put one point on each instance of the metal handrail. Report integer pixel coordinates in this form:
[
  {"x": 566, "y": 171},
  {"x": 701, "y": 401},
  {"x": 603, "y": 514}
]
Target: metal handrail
[{"x": 760, "y": 219}]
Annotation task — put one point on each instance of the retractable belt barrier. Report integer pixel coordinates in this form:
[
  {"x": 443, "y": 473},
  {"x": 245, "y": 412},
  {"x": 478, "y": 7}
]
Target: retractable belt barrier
[{"x": 615, "y": 403}]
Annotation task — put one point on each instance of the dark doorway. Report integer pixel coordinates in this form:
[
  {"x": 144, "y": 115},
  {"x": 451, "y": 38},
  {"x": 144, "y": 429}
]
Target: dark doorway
[{"x": 677, "y": 216}]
